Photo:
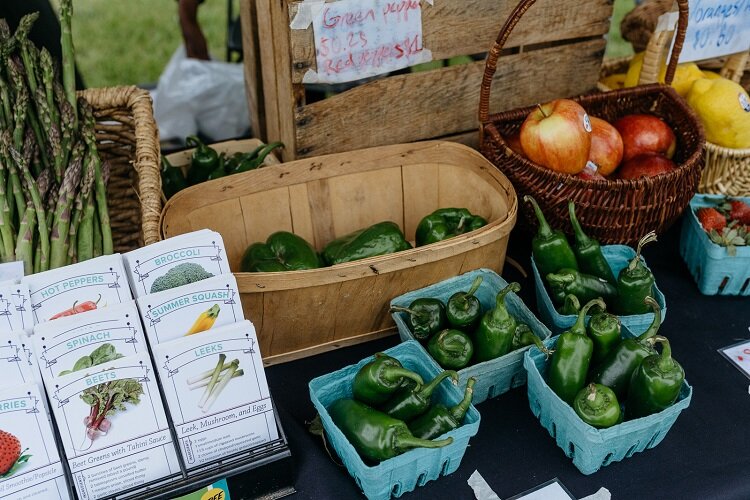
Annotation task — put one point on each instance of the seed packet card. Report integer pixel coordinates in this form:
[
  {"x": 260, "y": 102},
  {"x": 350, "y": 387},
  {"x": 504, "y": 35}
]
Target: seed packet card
[
  {"x": 176, "y": 261},
  {"x": 78, "y": 288},
  {"x": 87, "y": 340},
  {"x": 30, "y": 465},
  {"x": 217, "y": 393},
  {"x": 17, "y": 364},
  {"x": 113, "y": 427},
  {"x": 11, "y": 272},
  {"x": 15, "y": 307},
  {"x": 190, "y": 309}
]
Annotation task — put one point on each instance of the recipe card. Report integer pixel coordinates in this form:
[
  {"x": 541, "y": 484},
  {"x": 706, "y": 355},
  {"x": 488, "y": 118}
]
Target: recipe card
[
  {"x": 190, "y": 309},
  {"x": 113, "y": 427},
  {"x": 29, "y": 461},
  {"x": 217, "y": 393},
  {"x": 17, "y": 366},
  {"x": 15, "y": 307},
  {"x": 78, "y": 288},
  {"x": 177, "y": 261},
  {"x": 86, "y": 340}
]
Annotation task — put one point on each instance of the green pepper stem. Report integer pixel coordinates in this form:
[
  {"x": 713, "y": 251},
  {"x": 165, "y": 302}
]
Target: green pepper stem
[
  {"x": 192, "y": 141},
  {"x": 545, "y": 231},
  {"x": 666, "y": 362},
  {"x": 572, "y": 302},
  {"x": 428, "y": 389},
  {"x": 458, "y": 411},
  {"x": 656, "y": 323},
  {"x": 581, "y": 237},
  {"x": 394, "y": 373},
  {"x": 648, "y": 238},
  {"x": 405, "y": 441},
  {"x": 560, "y": 279},
  {"x": 528, "y": 335},
  {"x": 500, "y": 312},
  {"x": 404, "y": 309},
  {"x": 460, "y": 226},
  {"x": 580, "y": 325},
  {"x": 474, "y": 287}
]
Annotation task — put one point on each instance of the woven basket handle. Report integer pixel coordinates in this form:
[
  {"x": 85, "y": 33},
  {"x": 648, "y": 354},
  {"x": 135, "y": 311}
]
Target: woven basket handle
[
  {"x": 494, "y": 53},
  {"x": 735, "y": 65}
]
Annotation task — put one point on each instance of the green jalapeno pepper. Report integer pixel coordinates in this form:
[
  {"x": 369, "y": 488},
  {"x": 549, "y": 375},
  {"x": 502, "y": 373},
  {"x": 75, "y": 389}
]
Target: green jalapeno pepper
[
  {"x": 220, "y": 170},
  {"x": 282, "y": 251},
  {"x": 425, "y": 317},
  {"x": 452, "y": 349},
  {"x": 238, "y": 158},
  {"x": 550, "y": 248},
  {"x": 203, "y": 161},
  {"x": 411, "y": 401},
  {"x": 379, "y": 239},
  {"x": 438, "y": 420},
  {"x": 377, "y": 380},
  {"x": 375, "y": 435},
  {"x": 463, "y": 310},
  {"x": 494, "y": 336},
  {"x": 571, "y": 358},
  {"x": 445, "y": 223},
  {"x": 588, "y": 252},
  {"x": 256, "y": 158},
  {"x": 523, "y": 336},
  {"x": 656, "y": 383},
  {"x": 635, "y": 283},
  {"x": 172, "y": 180},
  {"x": 571, "y": 305},
  {"x": 604, "y": 332},
  {"x": 584, "y": 286},
  {"x": 597, "y": 405},
  {"x": 617, "y": 368}
]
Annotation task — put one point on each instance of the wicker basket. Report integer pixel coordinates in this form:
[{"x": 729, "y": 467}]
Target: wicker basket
[
  {"x": 615, "y": 211},
  {"x": 128, "y": 139}
]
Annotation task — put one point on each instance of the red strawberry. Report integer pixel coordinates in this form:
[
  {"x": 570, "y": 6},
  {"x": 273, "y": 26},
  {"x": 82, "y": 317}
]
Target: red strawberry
[
  {"x": 10, "y": 451},
  {"x": 739, "y": 211},
  {"x": 710, "y": 218}
]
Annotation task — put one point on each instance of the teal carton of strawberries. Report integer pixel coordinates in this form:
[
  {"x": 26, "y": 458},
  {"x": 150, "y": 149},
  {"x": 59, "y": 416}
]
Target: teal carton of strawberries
[{"x": 715, "y": 244}]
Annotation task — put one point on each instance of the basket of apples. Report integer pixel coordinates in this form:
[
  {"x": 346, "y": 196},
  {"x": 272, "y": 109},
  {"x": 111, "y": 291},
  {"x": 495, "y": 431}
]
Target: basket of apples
[{"x": 631, "y": 158}]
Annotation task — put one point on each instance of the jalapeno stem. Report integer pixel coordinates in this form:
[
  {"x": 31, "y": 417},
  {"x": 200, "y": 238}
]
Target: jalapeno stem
[{"x": 648, "y": 238}]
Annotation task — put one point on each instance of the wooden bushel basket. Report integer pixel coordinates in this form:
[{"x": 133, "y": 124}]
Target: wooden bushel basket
[
  {"x": 301, "y": 313},
  {"x": 613, "y": 211}
]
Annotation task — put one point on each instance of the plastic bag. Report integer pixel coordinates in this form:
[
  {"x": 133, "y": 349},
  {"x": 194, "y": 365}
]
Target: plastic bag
[{"x": 201, "y": 96}]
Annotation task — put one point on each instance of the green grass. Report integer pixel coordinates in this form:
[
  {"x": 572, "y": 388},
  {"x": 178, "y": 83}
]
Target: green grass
[
  {"x": 616, "y": 46},
  {"x": 124, "y": 42}
]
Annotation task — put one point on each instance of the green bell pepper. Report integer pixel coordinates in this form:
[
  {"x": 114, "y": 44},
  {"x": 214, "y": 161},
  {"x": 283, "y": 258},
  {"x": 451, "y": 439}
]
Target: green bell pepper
[
  {"x": 617, "y": 368},
  {"x": 445, "y": 223},
  {"x": 203, "y": 161},
  {"x": 282, "y": 251},
  {"x": 375, "y": 435},
  {"x": 411, "y": 401},
  {"x": 604, "y": 332},
  {"x": 438, "y": 420},
  {"x": 584, "y": 286},
  {"x": 571, "y": 358},
  {"x": 452, "y": 349},
  {"x": 597, "y": 405},
  {"x": 172, "y": 180},
  {"x": 656, "y": 383},
  {"x": 494, "y": 337},
  {"x": 377, "y": 380},
  {"x": 588, "y": 252},
  {"x": 550, "y": 248},
  {"x": 425, "y": 317},
  {"x": 379, "y": 239},
  {"x": 463, "y": 310},
  {"x": 635, "y": 283}
]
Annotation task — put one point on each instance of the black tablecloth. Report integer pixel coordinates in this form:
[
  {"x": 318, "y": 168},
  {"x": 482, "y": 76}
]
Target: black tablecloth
[{"x": 705, "y": 455}]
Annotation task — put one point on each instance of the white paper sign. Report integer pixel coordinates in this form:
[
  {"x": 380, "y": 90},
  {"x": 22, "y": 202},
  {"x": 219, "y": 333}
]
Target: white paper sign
[
  {"x": 355, "y": 39},
  {"x": 15, "y": 308},
  {"x": 232, "y": 415},
  {"x": 716, "y": 28},
  {"x": 11, "y": 271},
  {"x": 36, "y": 472},
  {"x": 739, "y": 355},
  {"x": 191, "y": 309},
  {"x": 120, "y": 450},
  {"x": 17, "y": 365}
]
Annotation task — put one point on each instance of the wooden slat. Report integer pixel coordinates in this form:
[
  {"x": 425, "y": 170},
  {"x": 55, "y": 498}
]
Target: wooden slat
[
  {"x": 302, "y": 216},
  {"x": 420, "y": 194},
  {"x": 423, "y": 105},
  {"x": 251, "y": 66},
  {"x": 463, "y": 27},
  {"x": 287, "y": 96},
  {"x": 268, "y": 64},
  {"x": 263, "y": 214},
  {"x": 227, "y": 223}
]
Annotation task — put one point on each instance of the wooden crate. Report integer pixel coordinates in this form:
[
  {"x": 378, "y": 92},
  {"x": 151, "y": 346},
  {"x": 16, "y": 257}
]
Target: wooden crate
[
  {"x": 557, "y": 52},
  {"x": 301, "y": 313}
]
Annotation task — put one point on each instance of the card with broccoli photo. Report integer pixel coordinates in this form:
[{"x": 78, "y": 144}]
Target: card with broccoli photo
[
  {"x": 190, "y": 309},
  {"x": 216, "y": 390},
  {"x": 177, "y": 261},
  {"x": 87, "y": 340},
  {"x": 15, "y": 307},
  {"x": 113, "y": 426},
  {"x": 79, "y": 288},
  {"x": 17, "y": 363},
  {"x": 29, "y": 461}
]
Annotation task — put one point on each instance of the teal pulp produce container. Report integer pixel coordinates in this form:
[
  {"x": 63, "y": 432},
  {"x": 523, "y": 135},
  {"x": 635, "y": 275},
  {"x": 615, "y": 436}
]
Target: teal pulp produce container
[
  {"x": 405, "y": 472},
  {"x": 618, "y": 257},
  {"x": 496, "y": 376}
]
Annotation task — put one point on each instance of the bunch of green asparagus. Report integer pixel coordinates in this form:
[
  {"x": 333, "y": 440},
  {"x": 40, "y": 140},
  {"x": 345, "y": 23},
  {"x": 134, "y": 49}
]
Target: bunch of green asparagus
[{"x": 53, "y": 205}]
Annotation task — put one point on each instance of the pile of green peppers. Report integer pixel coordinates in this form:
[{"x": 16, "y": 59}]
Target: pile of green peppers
[
  {"x": 458, "y": 333},
  {"x": 207, "y": 164},
  {"x": 391, "y": 410}
]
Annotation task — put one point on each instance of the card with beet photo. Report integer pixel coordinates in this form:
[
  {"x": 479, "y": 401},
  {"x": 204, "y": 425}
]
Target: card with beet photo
[
  {"x": 216, "y": 390},
  {"x": 113, "y": 427},
  {"x": 29, "y": 461}
]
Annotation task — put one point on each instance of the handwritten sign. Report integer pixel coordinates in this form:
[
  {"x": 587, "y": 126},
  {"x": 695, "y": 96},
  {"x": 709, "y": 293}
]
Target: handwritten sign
[
  {"x": 356, "y": 39},
  {"x": 716, "y": 28}
]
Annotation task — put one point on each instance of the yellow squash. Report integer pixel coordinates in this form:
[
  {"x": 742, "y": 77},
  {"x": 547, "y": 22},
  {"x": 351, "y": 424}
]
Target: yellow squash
[{"x": 205, "y": 321}]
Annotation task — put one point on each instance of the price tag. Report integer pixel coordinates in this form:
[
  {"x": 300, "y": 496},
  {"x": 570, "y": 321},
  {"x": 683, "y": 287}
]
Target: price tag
[
  {"x": 739, "y": 355},
  {"x": 716, "y": 28}
]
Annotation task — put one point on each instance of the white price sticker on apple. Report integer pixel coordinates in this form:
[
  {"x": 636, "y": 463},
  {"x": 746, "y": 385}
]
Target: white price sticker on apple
[{"x": 586, "y": 122}]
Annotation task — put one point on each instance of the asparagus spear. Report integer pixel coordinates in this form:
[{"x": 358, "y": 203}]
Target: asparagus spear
[
  {"x": 48, "y": 77},
  {"x": 38, "y": 206},
  {"x": 25, "y": 246},
  {"x": 14, "y": 182},
  {"x": 6, "y": 229},
  {"x": 100, "y": 189},
  {"x": 83, "y": 200},
  {"x": 66, "y": 197},
  {"x": 55, "y": 147},
  {"x": 68, "y": 61}
]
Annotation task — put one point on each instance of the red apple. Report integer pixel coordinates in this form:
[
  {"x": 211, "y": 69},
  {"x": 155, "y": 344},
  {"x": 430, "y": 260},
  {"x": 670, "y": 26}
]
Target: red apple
[
  {"x": 645, "y": 165},
  {"x": 645, "y": 134},
  {"x": 606, "y": 146},
  {"x": 557, "y": 135}
]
